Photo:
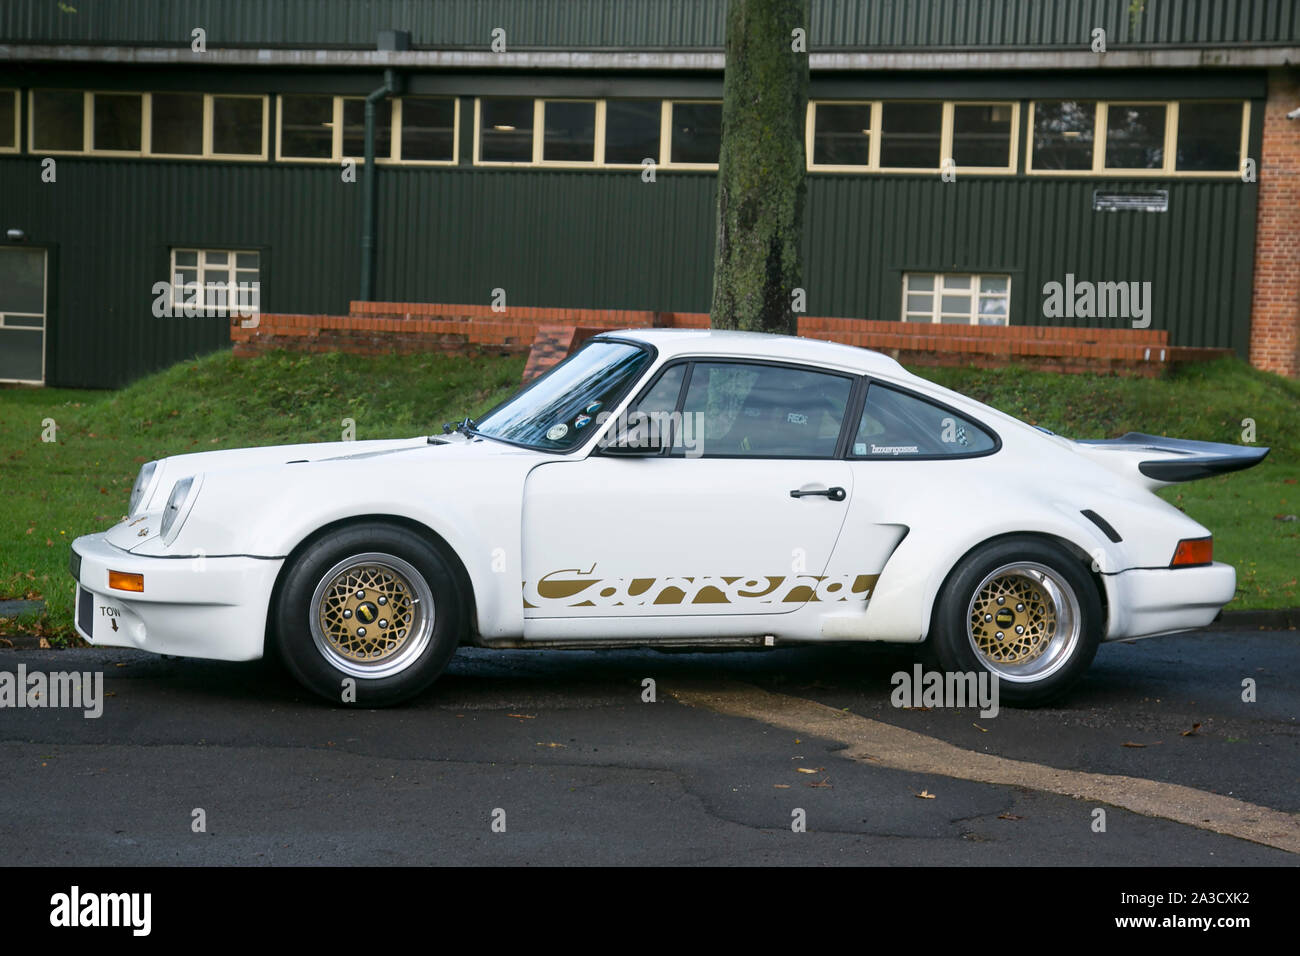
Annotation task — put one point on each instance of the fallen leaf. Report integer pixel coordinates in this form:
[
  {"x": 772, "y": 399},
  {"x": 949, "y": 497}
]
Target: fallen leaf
[
  {"x": 523, "y": 716},
  {"x": 1009, "y": 816},
  {"x": 926, "y": 795},
  {"x": 551, "y": 744},
  {"x": 807, "y": 770},
  {"x": 781, "y": 786},
  {"x": 1192, "y": 732},
  {"x": 824, "y": 782},
  {"x": 979, "y": 728},
  {"x": 45, "y": 644},
  {"x": 1129, "y": 743}
]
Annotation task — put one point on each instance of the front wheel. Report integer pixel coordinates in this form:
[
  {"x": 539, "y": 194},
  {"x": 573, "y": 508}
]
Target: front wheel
[
  {"x": 369, "y": 616},
  {"x": 1024, "y": 610}
]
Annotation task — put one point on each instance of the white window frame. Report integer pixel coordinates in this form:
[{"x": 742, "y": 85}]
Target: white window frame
[
  {"x": 1013, "y": 146},
  {"x": 936, "y": 313},
  {"x": 18, "y": 125},
  {"x": 208, "y": 127},
  {"x": 873, "y": 147},
  {"x": 666, "y": 134},
  {"x": 945, "y": 139},
  {"x": 598, "y": 162},
  {"x": 1170, "y": 158},
  {"x": 397, "y": 132},
  {"x": 539, "y": 133},
  {"x": 146, "y": 127},
  {"x": 534, "y": 153},
  {"x": 87, "y": 122},
  {"x": 336, "y": 156},
  {"x": 179, "y": 291},
  {"x": 601, "y": 121}
]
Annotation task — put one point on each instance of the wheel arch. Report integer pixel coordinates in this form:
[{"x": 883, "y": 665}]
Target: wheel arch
[
  {"x": 1071, "y": 547},
  {"x": 464, "y": 582}
]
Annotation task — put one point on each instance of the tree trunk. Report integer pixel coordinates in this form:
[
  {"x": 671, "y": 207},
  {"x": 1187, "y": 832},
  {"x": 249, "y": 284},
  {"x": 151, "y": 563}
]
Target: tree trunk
[{"x": 758, "y": 265}]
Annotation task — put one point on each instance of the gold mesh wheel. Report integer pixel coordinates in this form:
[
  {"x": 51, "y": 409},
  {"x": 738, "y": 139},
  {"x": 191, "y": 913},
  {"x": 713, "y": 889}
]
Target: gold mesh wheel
[
  {"x": 1023, "y": 621},
  {"x": 372, "y": 615}
]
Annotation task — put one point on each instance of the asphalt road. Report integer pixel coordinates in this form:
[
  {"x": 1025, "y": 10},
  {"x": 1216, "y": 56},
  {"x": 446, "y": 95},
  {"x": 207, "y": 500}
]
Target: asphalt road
[{"x": 561, "y": 749}]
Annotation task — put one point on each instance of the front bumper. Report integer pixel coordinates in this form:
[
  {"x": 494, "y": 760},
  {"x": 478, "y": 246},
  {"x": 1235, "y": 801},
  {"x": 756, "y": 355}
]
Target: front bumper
[
  {"x": 191, "y": 606},
  {"x": 1149, "y": 601}
]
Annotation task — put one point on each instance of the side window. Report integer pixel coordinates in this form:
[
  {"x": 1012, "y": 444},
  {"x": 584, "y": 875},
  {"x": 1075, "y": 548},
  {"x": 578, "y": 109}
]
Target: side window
[
  {"x": 898, "y": 425},
  {"x": 734, "y": 409}
]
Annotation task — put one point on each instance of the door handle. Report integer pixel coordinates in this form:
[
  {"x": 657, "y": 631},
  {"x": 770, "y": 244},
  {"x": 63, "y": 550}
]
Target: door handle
[{"x": 835, "y": 494}]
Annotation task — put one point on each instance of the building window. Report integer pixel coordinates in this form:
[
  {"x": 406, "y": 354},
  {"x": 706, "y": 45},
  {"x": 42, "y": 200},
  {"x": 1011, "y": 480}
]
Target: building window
[
  {"x": 176, "y": 124},
  {"x": 8, "y": 121},
  {"x": 841, "y": 135},
  {"x": 1135, "y": 136},
  {"x": 354, "y": 129},
  {"x": 632, "y": 129},
  {"x": 696, "y": 133},
  {"x": 1063, "y": 134},
  {"x": 118, "y": 122},
  {"x": 332, "y": 128},
  {"x": 956, "y": 298},
  {"x": 911, "y": 135},
  {"x": 306, "y": 127},
  {"x": 505, "y": 131},
  {"x": 983, "y": 135},
  {"x": 568, "y": 131},
  {"x": 1189, "y": 138},
  {"x": 216, "y": 280},
  {"x": 428, "y": 127},
  {"x": 238, "y": 126},
  {"x": 58, "y": 121},
  {"x": 1210, "y": 137}
]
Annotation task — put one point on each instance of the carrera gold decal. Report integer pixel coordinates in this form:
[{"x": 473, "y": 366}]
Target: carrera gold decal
[{"x": 573, "y": 587}]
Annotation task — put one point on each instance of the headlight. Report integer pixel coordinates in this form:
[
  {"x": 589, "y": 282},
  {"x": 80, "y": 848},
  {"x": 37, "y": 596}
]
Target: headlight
[
  {"x": 141, "y": 485},
  {"x": 178, "y": 507}
]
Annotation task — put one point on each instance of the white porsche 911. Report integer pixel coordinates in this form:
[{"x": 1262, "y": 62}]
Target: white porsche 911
[{"x": 668, "y": 488}]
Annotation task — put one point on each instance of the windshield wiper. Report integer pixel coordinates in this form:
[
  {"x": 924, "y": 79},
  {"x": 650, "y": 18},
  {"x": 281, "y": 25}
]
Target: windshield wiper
[{"x": 466, "y": 427}]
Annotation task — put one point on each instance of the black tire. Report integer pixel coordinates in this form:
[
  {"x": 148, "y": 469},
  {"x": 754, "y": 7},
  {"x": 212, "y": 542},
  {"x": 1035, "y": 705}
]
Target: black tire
[
  {"x": 369, "y": 571},
  {"x": 1021, "y": 582}
]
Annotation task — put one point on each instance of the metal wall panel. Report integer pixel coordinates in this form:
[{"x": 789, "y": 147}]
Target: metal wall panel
[
  {"x": 646, "y": 24},
  {"x": 589, "y": 239}
]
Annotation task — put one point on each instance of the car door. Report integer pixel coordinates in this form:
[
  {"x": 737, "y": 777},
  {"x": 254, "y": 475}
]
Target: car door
[{"x": 738, "y": 517}]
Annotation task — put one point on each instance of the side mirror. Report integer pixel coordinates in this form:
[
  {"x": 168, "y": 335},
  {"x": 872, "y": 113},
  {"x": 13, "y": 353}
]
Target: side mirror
[{"x": 638, "y": 442}]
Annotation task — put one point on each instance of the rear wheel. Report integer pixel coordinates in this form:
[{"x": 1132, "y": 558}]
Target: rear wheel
[
  {"x": 1024, "y": 610},
  {"x": 369, "y": 616}
]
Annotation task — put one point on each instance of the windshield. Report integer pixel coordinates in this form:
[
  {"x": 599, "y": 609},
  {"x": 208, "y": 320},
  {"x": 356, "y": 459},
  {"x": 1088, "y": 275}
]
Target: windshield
[{"x": 559, "y": 410}]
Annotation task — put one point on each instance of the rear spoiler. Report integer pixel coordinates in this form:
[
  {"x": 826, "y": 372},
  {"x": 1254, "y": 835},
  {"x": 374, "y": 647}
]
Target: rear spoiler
[{"x": 1181, "y": 459}]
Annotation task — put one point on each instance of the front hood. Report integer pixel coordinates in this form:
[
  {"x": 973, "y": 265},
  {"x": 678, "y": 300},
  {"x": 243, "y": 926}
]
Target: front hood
[
  {"x": 259, "y": 471},
  {"x": 170, "y": 470}
]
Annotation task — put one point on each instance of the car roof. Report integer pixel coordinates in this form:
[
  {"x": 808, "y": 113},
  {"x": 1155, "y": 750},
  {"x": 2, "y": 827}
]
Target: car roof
[{"x": 672, "y": 343}]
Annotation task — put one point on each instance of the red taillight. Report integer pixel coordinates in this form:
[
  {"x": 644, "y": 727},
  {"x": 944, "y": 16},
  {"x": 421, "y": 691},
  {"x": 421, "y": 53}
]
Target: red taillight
[{"x": 1193, "y": 551}]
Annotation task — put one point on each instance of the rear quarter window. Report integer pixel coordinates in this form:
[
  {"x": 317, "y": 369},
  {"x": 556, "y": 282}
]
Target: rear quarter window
[{"x": 897, "y": 424}]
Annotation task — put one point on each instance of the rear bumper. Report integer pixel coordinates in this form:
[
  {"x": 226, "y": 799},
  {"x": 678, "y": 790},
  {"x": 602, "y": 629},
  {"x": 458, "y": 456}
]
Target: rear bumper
[
  {"x": 1149, "y": 601},
  {"x": 197, "y": 606}
]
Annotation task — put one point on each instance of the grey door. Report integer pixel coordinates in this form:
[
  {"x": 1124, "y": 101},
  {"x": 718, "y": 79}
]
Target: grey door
[{"x": 22, "y": 314}]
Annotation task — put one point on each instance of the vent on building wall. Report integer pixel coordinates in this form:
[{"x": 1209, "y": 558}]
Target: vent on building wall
[{"x": 1154, "y": 200}]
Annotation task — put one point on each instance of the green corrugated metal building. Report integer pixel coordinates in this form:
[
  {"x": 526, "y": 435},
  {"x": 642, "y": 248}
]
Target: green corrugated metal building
[{"x": 963, "y": 154}]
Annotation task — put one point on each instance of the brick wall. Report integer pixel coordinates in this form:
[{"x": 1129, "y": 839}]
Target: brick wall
[
  {"x": 547, "y": 335},
  {"x": 1275, "y": 312}
]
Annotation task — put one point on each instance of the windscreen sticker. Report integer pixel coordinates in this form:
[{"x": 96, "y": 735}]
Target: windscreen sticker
[
  {"x": 894, "y": 449},
  {"x": 556, "y": 432},
  {"x": 582, "y": 421}
]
